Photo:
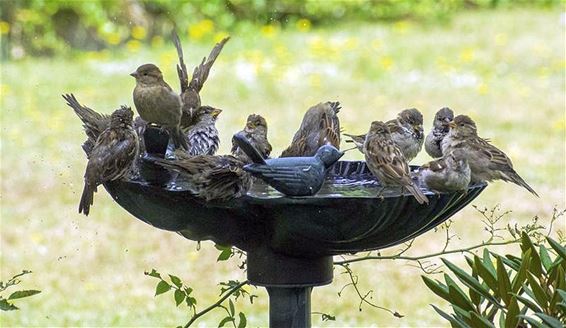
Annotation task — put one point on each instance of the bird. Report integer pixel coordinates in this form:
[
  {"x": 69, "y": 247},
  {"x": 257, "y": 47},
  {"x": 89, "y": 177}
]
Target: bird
[
  {"x": 320, "y": 126},
  {"x": 203, "y": 135},
  {"x": 406, "y": 131},
  {"x": 214, "y": 177},
  {"x": 292, "y": 176},
  {"x": 190, "y": 90},
  {"x": 386, "y": 161},
  {"x": 95, "y": 123},
  {"x": 486, "y": 161},
  {"x": 447, "y": 174},
  {"x": 256, "y": 133},
  {"x": 157, "y": 103},
  {"x": 439, "y": 130},
  {"x": 112, "y": 156}
]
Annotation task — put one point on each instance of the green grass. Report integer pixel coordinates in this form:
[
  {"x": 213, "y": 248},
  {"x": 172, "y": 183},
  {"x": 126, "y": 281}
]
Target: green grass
[{"x": 504, "y": 68}]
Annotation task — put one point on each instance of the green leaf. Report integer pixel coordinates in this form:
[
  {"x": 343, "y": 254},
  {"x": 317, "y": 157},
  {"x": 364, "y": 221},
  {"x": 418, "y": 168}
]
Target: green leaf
[
  {"x": 470, "y": 281},
  {"x": 162, "y": 287},
  {"x": 551, "y": 321},
  {"x": 23, "y": 293},
  {"x": 176, "y": 281},
  {"x": 224, "y": 255},
  {"x": 533, "y": 322},
  {"x": 545, "y": 258},
  {"x": 479, "y": 321},
  {"x": 509, "y": 263},
  {"x": 538, "y": 291},
  {"x": 459, "y": 298},
  {"x": 153, "y": 273},
  {"x": 503, "y": 280},
  {"x": 485, "y": 273},
  {"x": 562, "y": 294},
  {"x": 7, "y": 306},
  {"x": 437, "y": 287},
  {"x": 530, "y": 304},
  {"x": 561, "y": 250},
  {"x": 521, "y": 275},
  {"x": 179, "y": 296},
  {"x": 488, "y": 261},
  {"x": 232, "y": 310},
  {"x": 225, "y": 321},
  {"x": 454, "y": 321},
  {"x": 535, "y": 265},
  {"x": 513, "y": 312},
  {"x": 243, "y": 321}
]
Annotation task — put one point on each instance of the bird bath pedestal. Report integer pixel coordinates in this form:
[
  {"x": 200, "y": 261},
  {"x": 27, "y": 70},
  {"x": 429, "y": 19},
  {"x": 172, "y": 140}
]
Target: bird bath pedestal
[{"x": 289, "y": 241}]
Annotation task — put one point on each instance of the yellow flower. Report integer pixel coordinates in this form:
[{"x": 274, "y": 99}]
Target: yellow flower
[
  {"x": 138, "y": 32},
  {"x": 386, "y": 62},
  {"x": 201, "y": 29},
  {"x": 133, "y": 45},
  {"x": 4, "y": 27},
  {"x": 315, "y": 80},
  {"x": 467, "y": 55},
  {"x": 220, "y": 35},
  {"x": 113, "y": 38},
  {"x": 156, "y": 41},
  {"x": 268, "y": 30},
  {"x": 483, "y": 88},
  {"x": 401, "y": 26},
  {"x": 303, "y": 25}
]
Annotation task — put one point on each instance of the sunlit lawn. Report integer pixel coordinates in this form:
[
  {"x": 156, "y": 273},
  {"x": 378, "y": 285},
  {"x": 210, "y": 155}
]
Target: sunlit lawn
[{"x": 505, "y": 69}]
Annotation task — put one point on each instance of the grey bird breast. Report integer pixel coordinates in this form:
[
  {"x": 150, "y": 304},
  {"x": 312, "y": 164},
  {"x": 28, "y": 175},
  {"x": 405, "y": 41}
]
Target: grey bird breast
[{"x": 157, "y": 104}]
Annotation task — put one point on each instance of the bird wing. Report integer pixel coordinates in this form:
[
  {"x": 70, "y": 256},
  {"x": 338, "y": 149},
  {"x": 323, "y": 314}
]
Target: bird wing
[
  {"x": 394, "y": 126},
  {"x": 497, "y": 159},
  {"x": 435, "y": 166},
  {"x": 200, "y": 73},
  {"x": 93, "y": 123},
  {"x": 181, "y": 68},
  {"x": 390, "y": 159},
  {"x": 328, "y": 132}
]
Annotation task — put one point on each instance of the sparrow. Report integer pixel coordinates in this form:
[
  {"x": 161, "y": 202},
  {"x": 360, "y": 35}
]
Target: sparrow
[
  {"x": 439, "y": 130},
  {"x": 203, "y": 135},
  {"x": 190, "y": 91},
  {"x": 95, "y": 123},
  {"x": 112, "y": 156},
  {"x": 215, "y": 178},
  {"x": 292, "y": 176},
  {"x": 256, "y": 133},
  {"x": 447, "y": 174},
  {"x": 320, "y": 126},
  {"x": 486, "y": 161},
  {"x": 157, "y": 103},
  {"x": 406, "y": 131},
  {"x": 386, "y": 161}
]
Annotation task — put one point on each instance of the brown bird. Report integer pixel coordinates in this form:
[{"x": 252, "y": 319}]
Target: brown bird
[
  {"x": 256, "y": 133},
  {"x": 386, "y": 161},
  {"x": 203, "y": 135},
  {"x": 406, "y": 131},
  {"x": 320, "y": 126},
  {"x": 113, "y": 154},
  {"x": 438, "y": 132},
  {"x": 214, "y": 177},
  {"x": 190, "y": 91},
  {"x": 447, "y": 174},
  {"x": 487, "y": 162},
  {"x": 95, "y": 123},
  {"x": 157, "y": 103}
]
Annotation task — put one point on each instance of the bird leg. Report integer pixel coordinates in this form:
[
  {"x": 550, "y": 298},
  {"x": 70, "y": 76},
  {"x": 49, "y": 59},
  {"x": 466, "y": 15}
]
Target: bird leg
[{"x": 380, "y": 193}]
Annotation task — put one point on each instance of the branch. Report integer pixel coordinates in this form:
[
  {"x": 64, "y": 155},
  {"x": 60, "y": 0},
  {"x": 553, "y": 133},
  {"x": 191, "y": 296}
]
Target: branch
[
  {"x": 427, "y": 256},
  {"x": 217, "y": 304}
]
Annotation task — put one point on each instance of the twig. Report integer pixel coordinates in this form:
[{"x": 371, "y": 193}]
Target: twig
[{"x": 217, "y": 304}]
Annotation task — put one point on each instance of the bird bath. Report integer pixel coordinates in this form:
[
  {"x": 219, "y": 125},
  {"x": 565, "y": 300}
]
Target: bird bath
[{"x": 289, "y": 241}]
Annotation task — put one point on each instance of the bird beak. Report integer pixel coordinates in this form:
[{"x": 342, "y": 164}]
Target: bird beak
[
  {"x": 134, "y": 74},
  {"x": 452, "y": 125},
  {"x": 447, "y": 120},
  {"x": 216, "y": 112}
]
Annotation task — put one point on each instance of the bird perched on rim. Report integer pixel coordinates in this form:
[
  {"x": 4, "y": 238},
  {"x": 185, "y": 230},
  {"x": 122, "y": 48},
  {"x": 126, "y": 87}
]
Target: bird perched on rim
[
  {"x": 386, "y": 161},
  {"x": 486, "y": 161},
  {"x": 95, "y": 123},
  {"x": 292, "y": 176},
  {"x": 112, "y": 156},
  {"x": 157, "y": 103},
  {"x": 438, "y": 132},
  {"x": 256, "y": 133},
  {"x": 217, "y": 178},
  {"x": 190, "y": 90},
  {"x": 446, "y": 174},
  {"x": 320, "y": 126},
  {"x": 406, "y": 131}
]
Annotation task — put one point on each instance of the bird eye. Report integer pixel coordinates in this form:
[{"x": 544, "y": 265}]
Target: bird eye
[
  {"x": 144, "y": 74},
  {"x": 461, "y": 124}
]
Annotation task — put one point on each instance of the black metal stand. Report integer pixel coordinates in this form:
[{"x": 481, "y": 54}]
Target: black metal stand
[{"x": 289, "y": 282}]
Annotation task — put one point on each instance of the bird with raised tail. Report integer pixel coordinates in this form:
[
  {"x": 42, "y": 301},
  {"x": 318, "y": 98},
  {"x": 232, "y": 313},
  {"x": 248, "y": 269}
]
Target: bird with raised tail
[{"x": 386, "y": 161}]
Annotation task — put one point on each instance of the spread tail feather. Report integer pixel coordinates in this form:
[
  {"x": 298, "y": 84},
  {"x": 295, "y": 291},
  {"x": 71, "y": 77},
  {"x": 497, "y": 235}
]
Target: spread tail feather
[
  {"x": 419, "y": 195},
  {"x": 87, "y": 199}
]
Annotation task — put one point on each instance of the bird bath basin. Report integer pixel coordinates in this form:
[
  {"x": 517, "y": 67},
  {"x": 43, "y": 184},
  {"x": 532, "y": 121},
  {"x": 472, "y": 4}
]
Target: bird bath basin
[{"x": 289, "y": 241}]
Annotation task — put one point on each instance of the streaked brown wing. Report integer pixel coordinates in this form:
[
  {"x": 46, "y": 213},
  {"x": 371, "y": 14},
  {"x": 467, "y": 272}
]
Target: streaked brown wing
[{"x": 200, "y": 73}]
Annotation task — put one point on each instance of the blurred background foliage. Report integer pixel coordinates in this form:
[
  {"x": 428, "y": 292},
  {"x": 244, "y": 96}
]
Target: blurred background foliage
[{"x": 46, "y": 28}]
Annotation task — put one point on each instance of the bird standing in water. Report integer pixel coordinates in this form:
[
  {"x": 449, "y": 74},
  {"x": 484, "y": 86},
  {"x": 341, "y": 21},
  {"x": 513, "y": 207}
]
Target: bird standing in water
[{"x": 447, "y": 174}]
